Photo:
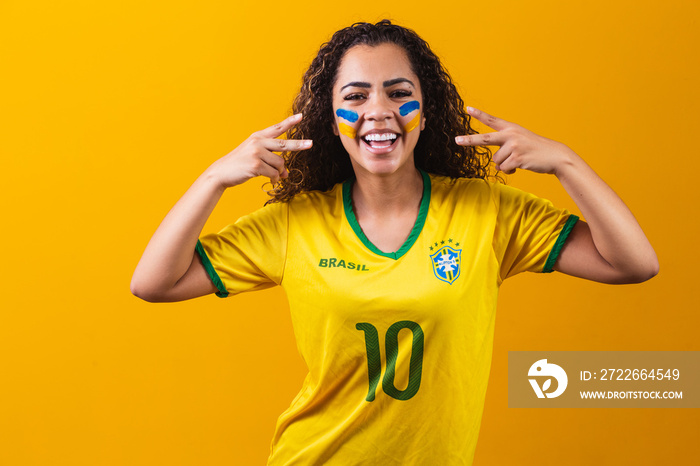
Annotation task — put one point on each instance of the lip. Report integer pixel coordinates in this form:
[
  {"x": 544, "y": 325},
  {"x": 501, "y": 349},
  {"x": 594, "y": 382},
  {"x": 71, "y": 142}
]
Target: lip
[{"x": 380, "y": 150}]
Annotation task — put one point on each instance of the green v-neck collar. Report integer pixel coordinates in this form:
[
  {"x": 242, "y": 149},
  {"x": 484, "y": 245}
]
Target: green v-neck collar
[{"x": 415, "y": 232}]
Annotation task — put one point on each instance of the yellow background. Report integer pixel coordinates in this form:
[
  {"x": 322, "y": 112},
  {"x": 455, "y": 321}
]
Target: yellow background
[{"x": 109, "y": 110}]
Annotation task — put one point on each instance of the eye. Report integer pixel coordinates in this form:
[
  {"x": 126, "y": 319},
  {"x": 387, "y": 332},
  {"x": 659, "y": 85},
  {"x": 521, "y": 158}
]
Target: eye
[
  {"x": 399, "y": 93},
  {"x": 354, "y": 97}
]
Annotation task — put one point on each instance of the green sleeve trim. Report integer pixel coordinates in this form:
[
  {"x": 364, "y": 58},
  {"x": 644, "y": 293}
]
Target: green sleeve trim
[
  {"x": 554, "y": 253},
  {"x": 222, "y": 293},
  {"x": 415, "y": 231}
]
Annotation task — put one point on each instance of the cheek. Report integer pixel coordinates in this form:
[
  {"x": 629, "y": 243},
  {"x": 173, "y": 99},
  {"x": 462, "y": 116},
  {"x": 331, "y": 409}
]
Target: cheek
[
  {"x": 346, "y": 122},
  {"x": 410, "y": 112}
]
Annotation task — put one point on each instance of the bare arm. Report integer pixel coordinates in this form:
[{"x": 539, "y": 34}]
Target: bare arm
[
  {"x": 611, "y": 247},
  {"x": 169, "y": 269}
]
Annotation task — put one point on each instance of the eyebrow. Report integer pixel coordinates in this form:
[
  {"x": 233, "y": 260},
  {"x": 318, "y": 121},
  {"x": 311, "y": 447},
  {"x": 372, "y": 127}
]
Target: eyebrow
[
  {"x": 391, "y": 82},
  {"x": 388, "y": 83}
]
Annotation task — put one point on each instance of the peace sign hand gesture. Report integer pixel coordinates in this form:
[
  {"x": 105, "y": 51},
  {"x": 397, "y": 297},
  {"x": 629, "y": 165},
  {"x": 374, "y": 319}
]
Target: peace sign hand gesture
[
  {"x": 519, "y": 148},
  {"x": 256, "y": 155}
]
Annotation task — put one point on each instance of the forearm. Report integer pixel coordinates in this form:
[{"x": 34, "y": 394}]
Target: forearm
[
  {"x": 170, "y": 251},
  {"x": 615, "y": 232}
]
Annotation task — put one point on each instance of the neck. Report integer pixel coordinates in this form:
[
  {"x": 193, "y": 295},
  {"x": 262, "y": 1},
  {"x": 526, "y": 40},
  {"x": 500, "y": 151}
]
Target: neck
[{"x": 387, "y": 195}]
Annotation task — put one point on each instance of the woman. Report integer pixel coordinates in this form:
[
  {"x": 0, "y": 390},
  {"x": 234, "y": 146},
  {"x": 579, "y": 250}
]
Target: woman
[{"x": 391, "y": 246}]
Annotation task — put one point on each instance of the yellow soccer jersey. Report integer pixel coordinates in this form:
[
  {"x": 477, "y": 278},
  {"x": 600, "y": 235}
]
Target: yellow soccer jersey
[{"x": 398, "y": 345}]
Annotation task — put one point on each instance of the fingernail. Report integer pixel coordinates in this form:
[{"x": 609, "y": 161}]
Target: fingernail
[
  {"x": 470, "y": 109},
  {"x": 460, "y": 139},
  {"x": 297, "y": 116},
  {"x": 306, "y": 143}
]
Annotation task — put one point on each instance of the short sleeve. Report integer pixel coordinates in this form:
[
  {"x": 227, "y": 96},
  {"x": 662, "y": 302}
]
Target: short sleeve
[
  {"x": 529, "y": 233},
  {"x": 249, "y": 254}
]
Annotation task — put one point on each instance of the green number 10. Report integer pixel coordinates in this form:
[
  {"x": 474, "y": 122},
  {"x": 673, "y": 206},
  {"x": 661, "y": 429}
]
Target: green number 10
[{"x": 374, "y": 364}]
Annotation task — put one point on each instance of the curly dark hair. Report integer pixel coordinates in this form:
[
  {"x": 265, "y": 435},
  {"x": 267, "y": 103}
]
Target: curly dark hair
[{"x": 328, "y": 163}]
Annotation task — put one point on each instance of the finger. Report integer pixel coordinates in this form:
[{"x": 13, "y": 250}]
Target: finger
[
  {"x": 501, "y": 169},
  {"x": 275, "y": 161},
  {"x": 489, "y": 120},
  {"x": 503, "y": 160},
  {"x": 281, "y": 145},
  {"x": 269, "y": 171},
  {"x": 280, "y": 128},
  {"x": 502, "y": 154},
  {"x": 507, "y": 172},
  {"x": 484, "y": 139}
]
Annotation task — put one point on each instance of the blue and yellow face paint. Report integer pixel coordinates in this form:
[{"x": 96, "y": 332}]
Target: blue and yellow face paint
[
  {"x": 407, "y": 108},
  {"x": 350, "y": 116}
]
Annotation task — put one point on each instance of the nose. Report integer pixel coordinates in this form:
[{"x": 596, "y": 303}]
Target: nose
[{"x": 378, "y": 108}]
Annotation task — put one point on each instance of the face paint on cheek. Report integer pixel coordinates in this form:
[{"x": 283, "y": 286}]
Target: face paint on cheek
[
  {"x": 350, "y": 116},
  {"x": 407, "y": 108}
]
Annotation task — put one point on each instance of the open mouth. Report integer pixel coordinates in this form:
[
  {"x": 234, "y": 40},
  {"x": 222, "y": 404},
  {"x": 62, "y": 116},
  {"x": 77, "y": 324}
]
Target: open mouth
[{"x": 380, "y": 140}]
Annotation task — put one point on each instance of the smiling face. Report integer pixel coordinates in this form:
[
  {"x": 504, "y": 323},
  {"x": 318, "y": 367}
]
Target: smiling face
[{"x": 377, "y": 104}]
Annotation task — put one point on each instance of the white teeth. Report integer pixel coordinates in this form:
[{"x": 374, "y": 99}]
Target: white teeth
[{"x": 380, "y": 137}]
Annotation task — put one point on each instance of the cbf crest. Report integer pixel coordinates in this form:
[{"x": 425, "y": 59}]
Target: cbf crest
[{"x": 447, "y": 263}]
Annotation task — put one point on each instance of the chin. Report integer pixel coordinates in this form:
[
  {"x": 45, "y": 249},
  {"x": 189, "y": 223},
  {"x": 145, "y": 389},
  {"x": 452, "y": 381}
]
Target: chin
[{"x": 382, "y": 166}]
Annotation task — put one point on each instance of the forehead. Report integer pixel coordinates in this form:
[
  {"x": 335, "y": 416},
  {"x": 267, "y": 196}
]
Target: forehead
[{"x": 374, "y": 64}]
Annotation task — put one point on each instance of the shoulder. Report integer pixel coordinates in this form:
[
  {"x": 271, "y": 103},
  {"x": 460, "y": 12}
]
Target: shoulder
[
  {"x": 317, "y": 197},
  {"x": 275, "y": 215},
  {"x": 445, "y": 189},
  {"x": 480, "y": 188},
  {"x": 308, "y": 205},
  {"x": 269, "y": 217},
  {"x": 442, "y": 183}
]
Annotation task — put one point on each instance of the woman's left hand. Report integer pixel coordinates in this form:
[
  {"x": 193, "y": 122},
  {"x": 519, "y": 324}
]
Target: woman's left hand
[
  {"x": 611, "y": 247},
  {"x": 519, "y": 148}
]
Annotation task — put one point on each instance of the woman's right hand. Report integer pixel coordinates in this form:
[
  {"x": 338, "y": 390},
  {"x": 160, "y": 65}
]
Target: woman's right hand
[{"x": 256, "y": 155}]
